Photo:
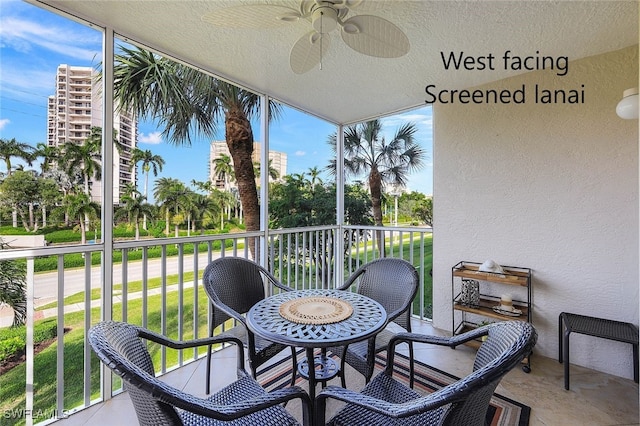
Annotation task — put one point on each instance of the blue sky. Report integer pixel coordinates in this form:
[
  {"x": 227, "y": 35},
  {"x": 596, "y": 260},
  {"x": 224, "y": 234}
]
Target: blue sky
[{"x": 33, "y": 42}]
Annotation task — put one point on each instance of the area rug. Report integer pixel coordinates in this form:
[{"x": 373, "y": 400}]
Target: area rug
[{"x": 502, "y": 411}]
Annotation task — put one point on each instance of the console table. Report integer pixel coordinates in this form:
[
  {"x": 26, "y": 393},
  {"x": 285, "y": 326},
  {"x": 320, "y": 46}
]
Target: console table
[{"x": 598, "y": 327}]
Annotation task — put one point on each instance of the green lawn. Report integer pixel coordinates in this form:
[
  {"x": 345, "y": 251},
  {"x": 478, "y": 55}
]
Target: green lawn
[{"x": 12, "y": 383}]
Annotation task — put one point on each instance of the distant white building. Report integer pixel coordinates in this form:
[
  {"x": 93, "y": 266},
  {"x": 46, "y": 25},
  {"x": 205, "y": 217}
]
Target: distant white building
[
  {"x": 75, "y": 108},
  {"x": 277, "y": 159}
]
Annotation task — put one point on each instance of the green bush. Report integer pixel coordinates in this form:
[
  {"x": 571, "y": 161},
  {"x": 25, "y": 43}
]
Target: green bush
[
  {"x": 14, "y": 339},
  {"x": 63, "y": 236},
  {"x": 10, "y": 230},
  {"x": 10, "y": 347},
  {"x": 76, "y": 260}
]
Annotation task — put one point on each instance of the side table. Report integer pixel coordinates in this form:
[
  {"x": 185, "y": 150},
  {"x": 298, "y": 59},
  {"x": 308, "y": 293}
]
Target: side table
[{"x": 598, "y": 327}]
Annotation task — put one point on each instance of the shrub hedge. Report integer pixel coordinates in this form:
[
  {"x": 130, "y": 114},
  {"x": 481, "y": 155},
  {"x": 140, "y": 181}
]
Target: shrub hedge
[{"x": 13, "y": 340}]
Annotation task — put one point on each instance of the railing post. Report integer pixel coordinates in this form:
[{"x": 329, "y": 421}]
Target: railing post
[
  {"x": 29, "y": 354},
  {"x": 339, "y": 247},
  {"x": 262, "y": 257},
  {"x": 107, "y": 191}
]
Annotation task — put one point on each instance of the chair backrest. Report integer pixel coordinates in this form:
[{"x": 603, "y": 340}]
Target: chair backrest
[
  {"x": 391, "y": 282},
  {"x": 507, "y": 344},
  {"x": 119, "y": 346},
  {"x": 235, "y": 282}
]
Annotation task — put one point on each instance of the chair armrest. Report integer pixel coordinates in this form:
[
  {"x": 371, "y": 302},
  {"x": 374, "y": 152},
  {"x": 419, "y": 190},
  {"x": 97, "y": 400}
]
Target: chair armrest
[
  {"x": 194, "y": 343},
  {"x": 452, "y": 341},
  {"x": 273, "y": 280},
  {"x": 352, "y": 278},
  {"x": 425, "y": 403},
  {"x": 230, "y": 311}
]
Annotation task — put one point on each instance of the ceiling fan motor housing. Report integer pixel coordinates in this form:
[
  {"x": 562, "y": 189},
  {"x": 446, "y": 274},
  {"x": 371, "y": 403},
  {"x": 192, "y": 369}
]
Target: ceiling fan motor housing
[{"x": 324, "y": 19}]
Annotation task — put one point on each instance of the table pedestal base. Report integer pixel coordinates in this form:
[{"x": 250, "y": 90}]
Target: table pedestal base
[{"x": 325, "y": 368}]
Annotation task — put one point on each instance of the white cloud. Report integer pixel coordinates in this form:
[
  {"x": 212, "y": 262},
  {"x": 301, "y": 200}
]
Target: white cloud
[
  {"x": 300, "y": 153},
  {"x": 4, "y": 122},
  {"x": 153, "y": 138},
  {"x": 29, "y": 81},
  {"x": 24, "y": 35}
]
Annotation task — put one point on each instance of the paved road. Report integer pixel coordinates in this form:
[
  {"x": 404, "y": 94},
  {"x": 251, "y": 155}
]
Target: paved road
[{"x": 46, "y": 284}]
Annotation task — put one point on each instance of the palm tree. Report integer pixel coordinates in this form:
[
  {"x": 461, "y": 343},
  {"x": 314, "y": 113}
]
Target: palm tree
[
  {"x": 203, "y": 210},
  {"x": 272, "y": 171},
  {"x": 13, "y": 287},
  {"x": 187, "y": 102},
  {"x": 314, "y": 176},
  {"x": 80, "y": 207},
  {"x": 223, "y": 169},
  {"x": 366, "y": 151},
  {"x": 172, "y": 196},
  {"x": 150, "y": 162},
  {"x": 204, "y": 186},
  {"x": 85, "y": 157},
  {"x": 134, "y": 207},
  {"x": 12, "y": 148},
  {"x": 49, "y": 154}
]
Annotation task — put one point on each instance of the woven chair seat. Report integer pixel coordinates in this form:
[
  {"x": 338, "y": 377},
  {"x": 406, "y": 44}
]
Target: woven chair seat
[
  {"x": 243, "y": 389},
  {"x": 384, "y": 388}
]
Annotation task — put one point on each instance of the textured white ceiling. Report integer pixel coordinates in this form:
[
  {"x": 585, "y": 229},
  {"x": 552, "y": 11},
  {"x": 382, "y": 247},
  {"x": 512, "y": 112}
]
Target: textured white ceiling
[{"x": 351, "y": 86}]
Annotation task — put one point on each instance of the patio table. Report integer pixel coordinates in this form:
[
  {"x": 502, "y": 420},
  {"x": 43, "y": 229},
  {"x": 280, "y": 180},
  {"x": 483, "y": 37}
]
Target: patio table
[{"x": 316, "y": 319}]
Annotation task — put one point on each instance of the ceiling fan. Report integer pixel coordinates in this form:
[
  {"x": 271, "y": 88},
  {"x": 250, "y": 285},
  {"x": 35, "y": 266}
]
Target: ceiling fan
[{"x": 367, "y": 34}]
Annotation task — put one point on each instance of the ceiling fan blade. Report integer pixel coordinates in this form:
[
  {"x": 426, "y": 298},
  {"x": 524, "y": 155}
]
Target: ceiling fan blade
[
  {"x": 374, "y": 36},
  {"x": 252, "y": 16},
  {"x": 351, "y": 4},
  {"x": 308, "y": 51}
]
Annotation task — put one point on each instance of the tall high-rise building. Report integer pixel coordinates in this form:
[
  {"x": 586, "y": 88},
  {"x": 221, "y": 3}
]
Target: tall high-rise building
[
  {"x": 277, "y": 162},
  {"x": 75, "y": 108}
]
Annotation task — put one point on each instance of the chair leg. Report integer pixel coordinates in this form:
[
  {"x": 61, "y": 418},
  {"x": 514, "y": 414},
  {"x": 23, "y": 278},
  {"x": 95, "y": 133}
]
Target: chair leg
[
  {"x": 254, "y": 368},
  {"x": 411, "y": 365},
  {"x": 294, "y": 365},
  {"x": 208, "y": 378}
]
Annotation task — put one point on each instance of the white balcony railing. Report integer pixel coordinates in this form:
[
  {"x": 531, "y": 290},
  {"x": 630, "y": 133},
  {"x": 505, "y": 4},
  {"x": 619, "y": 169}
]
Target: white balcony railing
[{"x": 157, "y": 284}]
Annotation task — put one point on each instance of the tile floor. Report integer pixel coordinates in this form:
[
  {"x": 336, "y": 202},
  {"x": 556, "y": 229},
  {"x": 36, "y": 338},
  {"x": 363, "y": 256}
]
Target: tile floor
[{"x": 595, "y": 399}]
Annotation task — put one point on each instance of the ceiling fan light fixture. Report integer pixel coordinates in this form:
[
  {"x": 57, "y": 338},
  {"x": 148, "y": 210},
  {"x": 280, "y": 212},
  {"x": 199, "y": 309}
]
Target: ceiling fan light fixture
[
  {"x": 288, "y": 17},
  {"x": 324, "y": 19},
  {"x": 314, "y": 38},
  {"x": 350, "y": 28}
]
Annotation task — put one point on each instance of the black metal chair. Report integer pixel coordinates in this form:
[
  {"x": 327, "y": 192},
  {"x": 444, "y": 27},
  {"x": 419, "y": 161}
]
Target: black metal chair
[
  {"x": 244, "y": 402},
  {"x": 385, "y": 401},
  {"x": 234, "y": 285},
  {"x": 393, "y": 283}
]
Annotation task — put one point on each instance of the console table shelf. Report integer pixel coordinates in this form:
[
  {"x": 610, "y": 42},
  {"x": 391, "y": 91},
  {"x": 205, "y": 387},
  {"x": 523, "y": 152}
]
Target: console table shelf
[{"x": 466, "y": 316}]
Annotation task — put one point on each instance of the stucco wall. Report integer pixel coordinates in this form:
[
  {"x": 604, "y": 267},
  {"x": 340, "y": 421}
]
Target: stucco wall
[{"x": 550, "y": 187}]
